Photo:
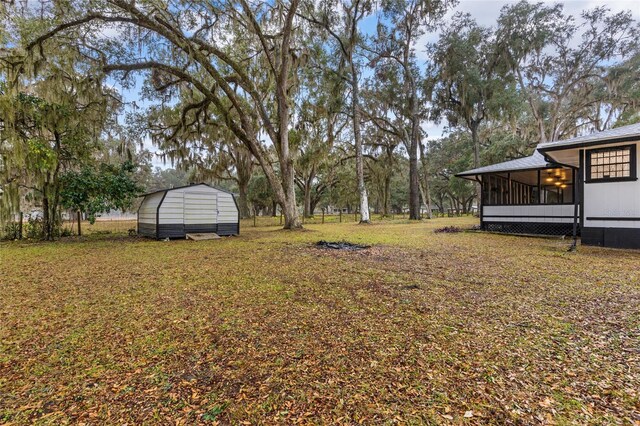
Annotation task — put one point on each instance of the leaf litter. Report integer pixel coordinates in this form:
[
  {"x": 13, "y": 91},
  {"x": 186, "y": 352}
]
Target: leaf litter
[{"x": 260, "y": 329}]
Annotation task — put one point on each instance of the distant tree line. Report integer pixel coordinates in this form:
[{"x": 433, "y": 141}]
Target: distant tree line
[{"x": 295, "y": 105}]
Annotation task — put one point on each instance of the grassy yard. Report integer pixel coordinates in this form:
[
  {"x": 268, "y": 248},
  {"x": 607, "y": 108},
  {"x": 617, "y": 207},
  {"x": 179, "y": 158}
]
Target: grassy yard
[{"x": 422, "y": 328}]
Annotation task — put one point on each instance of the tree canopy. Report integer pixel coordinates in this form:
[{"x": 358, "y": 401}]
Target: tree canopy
[{"x": 294, "y": 103}]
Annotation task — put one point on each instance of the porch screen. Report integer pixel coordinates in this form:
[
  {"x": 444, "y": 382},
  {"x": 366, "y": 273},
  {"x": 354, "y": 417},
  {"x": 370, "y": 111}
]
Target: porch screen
[{"x": 547, "y": 186}]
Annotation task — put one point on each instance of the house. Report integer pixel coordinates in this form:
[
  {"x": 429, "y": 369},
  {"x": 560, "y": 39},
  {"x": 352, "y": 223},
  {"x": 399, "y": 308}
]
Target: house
[
  {"x": 590, "y": 182},
  {"x": 199, "y": 208}
]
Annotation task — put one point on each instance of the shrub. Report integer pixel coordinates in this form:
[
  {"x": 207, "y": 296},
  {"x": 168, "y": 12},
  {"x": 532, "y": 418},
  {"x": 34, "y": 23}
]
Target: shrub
[
  {"x": 11, "y": 231},
  {"x": 448, "y": 229},
  {"x": 34, "y": 228}
]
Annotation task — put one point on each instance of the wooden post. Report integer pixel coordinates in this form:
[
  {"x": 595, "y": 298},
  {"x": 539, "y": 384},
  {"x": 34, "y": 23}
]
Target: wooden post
[
  {"x": 539, "y": 200},
  {"x": 20, "y": 227},
  {"x": 79, "y": 227}
]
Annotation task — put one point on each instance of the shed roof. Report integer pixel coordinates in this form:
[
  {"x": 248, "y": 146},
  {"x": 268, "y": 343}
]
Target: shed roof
[
  {"x": 187, "y": 186},
  {"x": 534, "y": 161}
]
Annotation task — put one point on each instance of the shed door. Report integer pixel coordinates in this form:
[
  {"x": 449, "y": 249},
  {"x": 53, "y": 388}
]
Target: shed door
[{"x": 200, "y": 207}]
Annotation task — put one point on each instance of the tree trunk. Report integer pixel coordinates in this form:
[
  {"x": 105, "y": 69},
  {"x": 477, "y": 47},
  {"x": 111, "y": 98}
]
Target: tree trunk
[
  {"x": 313, "y": 204},
  {"x": 307, "y": 202},
  {"x": 355, "y": 106},
  {"x": 414, "y": 179},
  {"x": 47, "y": 233},
  {"x": 386, "y": 204},
  {"x": 308, "y": 186},
  {"x": 410, "y": 88},
  {"x": 288, "y": 203},
  {"x": 243, "y": 204},
  {"x": 284, "y": 190},
  {"x": 476, "y": 159},
  {"x": 424, "y": 188},
  {"x": 287, "y": 171},
  {"x": 79, "y": 215},
  {"x": 290, "y": 208},
  {"x": 50, "y": 205}
]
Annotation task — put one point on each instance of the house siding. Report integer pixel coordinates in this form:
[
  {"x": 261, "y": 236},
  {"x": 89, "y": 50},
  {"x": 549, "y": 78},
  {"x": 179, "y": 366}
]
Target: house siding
[
  {"x": 534, "y": 213},
  {"x": 612, "y": 212},
  {"x": 545, "y": 219},
  {"x": 612, "y": 200}
]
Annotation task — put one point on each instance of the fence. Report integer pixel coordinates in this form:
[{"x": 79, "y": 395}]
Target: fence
[
  {"x": 318, "y": 219},
  {"x": 125, "y": 225}
]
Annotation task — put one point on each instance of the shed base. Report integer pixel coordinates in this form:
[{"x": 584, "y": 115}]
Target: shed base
[{"x": 203, "y": 237}]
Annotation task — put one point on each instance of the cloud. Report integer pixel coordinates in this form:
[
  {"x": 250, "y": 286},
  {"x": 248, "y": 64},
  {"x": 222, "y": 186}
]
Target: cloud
[{"x": 486, "y": 13}]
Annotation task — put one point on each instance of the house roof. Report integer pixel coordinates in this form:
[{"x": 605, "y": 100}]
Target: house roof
[
  {"x": 186, "y": 186},
  {"x": 619, "y": 134},
  {"x": 538, "y": 161},
  {"x": 534, "y": 161}
]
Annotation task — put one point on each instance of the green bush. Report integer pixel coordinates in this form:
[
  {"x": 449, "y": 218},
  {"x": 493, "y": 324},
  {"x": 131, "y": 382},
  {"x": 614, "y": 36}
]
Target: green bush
[
  {"x": 33, "y": 229},
  {"x": 11, "y": 231}
]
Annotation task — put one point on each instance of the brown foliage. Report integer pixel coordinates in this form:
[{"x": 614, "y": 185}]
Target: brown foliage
[{"x": 265, "y": 328}]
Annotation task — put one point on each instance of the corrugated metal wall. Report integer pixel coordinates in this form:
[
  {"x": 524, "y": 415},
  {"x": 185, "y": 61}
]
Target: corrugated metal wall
[
  {"x": 197, "y": 208},
  {"x": 147, "y": 215}
]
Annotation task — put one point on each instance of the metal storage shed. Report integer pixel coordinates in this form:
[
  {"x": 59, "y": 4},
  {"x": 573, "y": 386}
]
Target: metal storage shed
[{"x": 199, "y": 208}]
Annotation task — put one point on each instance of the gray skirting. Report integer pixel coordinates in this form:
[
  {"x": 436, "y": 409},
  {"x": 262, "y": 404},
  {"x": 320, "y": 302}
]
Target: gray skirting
[
  {"x": 228, "y": 229},
  {"x": 611, "y": 237},
  {"x": 147, "y": 229},
  {"x": 179, "y": 230},
  {"x": 537, "y": 228}
]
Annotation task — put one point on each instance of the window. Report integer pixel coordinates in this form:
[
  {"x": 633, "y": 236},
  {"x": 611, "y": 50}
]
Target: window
[{"x": 611, "y": 164}]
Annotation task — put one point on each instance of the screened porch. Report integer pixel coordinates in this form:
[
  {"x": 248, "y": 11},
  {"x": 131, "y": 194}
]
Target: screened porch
[{"x": 552, "y": 186}]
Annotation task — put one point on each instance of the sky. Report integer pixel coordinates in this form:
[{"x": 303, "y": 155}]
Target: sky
[{"x": 486, "y": 13}]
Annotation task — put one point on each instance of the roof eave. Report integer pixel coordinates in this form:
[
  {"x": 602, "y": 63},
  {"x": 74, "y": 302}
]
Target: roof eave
[
  {"x": 469, "y": 176},
  {"x": 556, "y": 146},
  {"x": 548, "y": 165},
  {"x": 186, "y": 186}
]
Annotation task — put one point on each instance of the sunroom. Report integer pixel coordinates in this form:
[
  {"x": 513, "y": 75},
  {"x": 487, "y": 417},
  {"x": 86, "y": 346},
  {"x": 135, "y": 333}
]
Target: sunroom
[{"x": 526, "y": 196}]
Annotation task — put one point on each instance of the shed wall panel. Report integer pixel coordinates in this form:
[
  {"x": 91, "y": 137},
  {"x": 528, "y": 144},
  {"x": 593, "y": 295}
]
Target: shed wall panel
[
  {"x": 200, "y": 207},
  {"x": 225, "y": 229},
  {"x": 197, "y": 208},
  {"x": 147, "y": 229},
  {"x": 171, "y": 210},
  {"x": 171, "y": 230},
  {"x": 149, "y": 208},
  {"x": 227, "y": 209}
]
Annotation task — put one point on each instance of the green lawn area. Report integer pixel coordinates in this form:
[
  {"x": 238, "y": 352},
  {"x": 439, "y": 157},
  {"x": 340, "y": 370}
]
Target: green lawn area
[{"x": 422, "y": 328}]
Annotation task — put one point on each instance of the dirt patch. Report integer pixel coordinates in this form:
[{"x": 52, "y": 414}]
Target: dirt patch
[{"x": 341, "y": 245}]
